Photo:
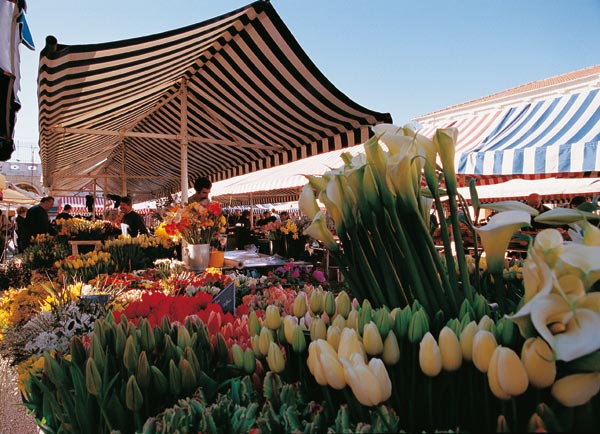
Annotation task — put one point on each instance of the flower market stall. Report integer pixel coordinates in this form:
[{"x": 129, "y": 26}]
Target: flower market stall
[{"x": 413, "y": 341}]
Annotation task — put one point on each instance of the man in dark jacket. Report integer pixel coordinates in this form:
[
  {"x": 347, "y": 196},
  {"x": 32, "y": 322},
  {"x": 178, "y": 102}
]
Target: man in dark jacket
[
  {"x": 132, "y": 219},
  {"x": 37, "y": 221}
]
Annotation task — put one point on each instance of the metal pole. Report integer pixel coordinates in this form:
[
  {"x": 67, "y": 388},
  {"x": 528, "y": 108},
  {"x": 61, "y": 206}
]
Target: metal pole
[{"x": 183, "y": 141}]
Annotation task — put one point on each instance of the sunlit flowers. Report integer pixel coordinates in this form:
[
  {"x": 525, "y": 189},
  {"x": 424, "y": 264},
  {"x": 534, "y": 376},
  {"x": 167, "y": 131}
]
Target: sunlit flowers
[{"x": 195, "y": 223}]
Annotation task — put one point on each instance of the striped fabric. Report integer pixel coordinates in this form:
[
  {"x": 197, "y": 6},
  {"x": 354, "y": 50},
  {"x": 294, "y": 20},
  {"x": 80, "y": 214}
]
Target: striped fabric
[
  {"x": 555, "y": 135},
  {"x": 253, "y": 100}
]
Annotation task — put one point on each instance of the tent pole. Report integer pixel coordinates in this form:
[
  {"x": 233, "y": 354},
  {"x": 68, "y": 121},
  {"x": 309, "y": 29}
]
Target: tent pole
[
  {"x": 123, "y": 176},
  {"x": 183, "y": 141},
  {"x": 94, "y": 202}
]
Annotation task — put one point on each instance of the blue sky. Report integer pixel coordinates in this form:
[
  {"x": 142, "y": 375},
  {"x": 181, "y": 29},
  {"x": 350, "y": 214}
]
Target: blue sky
[{"x": 407, "y": 58}]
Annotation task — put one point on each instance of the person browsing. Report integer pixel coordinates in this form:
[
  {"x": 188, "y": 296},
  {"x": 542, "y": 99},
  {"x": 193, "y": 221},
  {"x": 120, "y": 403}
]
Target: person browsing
[
  {"x": 37, "y": 221},
  {"x": 134, "y": 221},
  {"x": 202, "y": 185}
]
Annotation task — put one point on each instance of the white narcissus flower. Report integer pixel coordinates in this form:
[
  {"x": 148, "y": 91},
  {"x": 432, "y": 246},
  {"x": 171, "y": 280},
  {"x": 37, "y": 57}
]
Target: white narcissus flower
[
  {"x": 430, "y": 358},
  {"x": 496, "y": 235},
  {"x": 577, "y": 389}
]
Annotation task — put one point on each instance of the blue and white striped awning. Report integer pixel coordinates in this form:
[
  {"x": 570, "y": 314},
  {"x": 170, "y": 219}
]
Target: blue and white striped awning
[{"x": 554, "y": 136}]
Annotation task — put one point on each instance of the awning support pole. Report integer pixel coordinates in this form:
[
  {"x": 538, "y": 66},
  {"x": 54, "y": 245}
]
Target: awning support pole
[
  {"x": 183, "y": 141},
  {"x": 123, "y": 175}
]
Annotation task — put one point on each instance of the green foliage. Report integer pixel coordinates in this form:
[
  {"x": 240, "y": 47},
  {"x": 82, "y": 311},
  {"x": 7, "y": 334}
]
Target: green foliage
[
  {"x": 14, "y": 274},
  {"x": 44, "y": 251}
]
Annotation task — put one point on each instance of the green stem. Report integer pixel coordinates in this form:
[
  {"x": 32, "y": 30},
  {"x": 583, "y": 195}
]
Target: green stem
[{"x": 499, "y": 290}]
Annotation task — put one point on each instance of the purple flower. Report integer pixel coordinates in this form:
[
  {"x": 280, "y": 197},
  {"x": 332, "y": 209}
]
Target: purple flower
[
  {"x": 319, "y": 276},
  {"x": 295, "y": 273}
]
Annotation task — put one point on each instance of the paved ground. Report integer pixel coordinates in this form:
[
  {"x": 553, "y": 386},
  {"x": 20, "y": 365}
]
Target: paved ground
[{"x": 13, "y": 417}]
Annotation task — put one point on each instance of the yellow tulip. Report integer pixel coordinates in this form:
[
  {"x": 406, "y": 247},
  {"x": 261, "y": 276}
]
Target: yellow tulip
[
  {"x": 512, "y": 376},
  {"x": 391, "y": 349},
  {"x": 486, "y": 323},
  {"x": 339, "y": 322},
  {"x": 352, "y": 320},
  {"x": 316, "y": 349},
  {"x": 577, "y": 389},
  {"x": 492, "y": 374},
  {"x": 484, "y": 344},
  {"x": 333, "y": 370},
  {"x": 372, "y": 339},
  {"x": 318, "y": 330},
  {"x": 299, "y": 308},
  {"x": 539, "y": 362},
  {"x": 289, "y": 325},
  {"x": 377, "y": 367},
  {"x": 430, "y": 358},
  {"x": 350, "y": 344},
  {"x": 363, "y": 382},
  {"x": 272, "y": 317},
  {"x": 333, "y": 336},
  {"x": 466, "y": 340},
  {"x": 342, "y": 302},
  {"x": 275, "y": 358},
  {"x": 316, "y": 302},
  {"x": 450, "y": 350},
  {"x": 264, "y": 340}
]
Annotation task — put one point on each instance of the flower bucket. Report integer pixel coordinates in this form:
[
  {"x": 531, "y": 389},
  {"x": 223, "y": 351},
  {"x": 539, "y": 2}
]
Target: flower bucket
[
  {"x": 197, "y": 256},
  {"x": 217, "y": 258}
]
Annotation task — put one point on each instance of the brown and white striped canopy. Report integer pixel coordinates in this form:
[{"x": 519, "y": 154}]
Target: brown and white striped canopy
[{"x": 221, "y": 98}]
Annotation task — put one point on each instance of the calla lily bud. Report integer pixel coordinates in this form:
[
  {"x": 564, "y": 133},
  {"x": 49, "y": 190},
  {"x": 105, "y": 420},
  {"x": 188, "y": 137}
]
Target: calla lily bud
[
  {"x": 272, "y": 317},
  {"x": 352, "y": 320},
  {"x": 418, "y": 326},
  {"x": 298, "y": 340},
  {"x": 299, "y": 308},
  {"x": 275, "y": 358},
  {"x": 264, "y": 340},
  {"x": 372, "y": 339},
  {"x": 318, "y": 330},
  {"x": 316, "y": 302},
  {"x": 391, "y": 349},
  {"x": 333, "y": 336},
  {"x": 237, "y": 354},
  {"x": 249, "y": 361},
  {"x": 329, "y": 304},
  {"x": 577, "y": 389},
  {"x": 342, "y": 302},
  {"x": 289, "y": 325},
  {"x": 484, "y": 344},
  {"x": 539, "y": 362},
  {"x": 350, "y": 344},
  {"x": 430, "y": 358},
  {"x": 339, "y": 322},
  {"x": 512, "y": 376},
  {"x": 450, "y": 350},
  {"x": 253, "y": 324},
  {"x": 466, "y": 340}
]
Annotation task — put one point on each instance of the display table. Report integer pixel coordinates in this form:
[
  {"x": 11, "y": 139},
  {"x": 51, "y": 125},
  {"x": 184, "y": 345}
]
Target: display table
[
  {"x": 88, "y": 245},
  {"x": 247, "y": 259}
]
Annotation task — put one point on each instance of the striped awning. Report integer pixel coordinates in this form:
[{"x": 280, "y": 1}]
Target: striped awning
[
  {"x": 221, "y": 98},
  {"x": 555, "y": 134}
]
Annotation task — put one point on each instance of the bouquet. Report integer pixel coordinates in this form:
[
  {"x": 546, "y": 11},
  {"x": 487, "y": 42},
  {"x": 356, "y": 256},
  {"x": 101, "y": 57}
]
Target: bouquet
[{"x": 195, "y": 223}]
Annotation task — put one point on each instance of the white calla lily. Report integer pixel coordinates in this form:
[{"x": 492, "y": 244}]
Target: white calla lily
[
  {"x": 307, "y": 202},
  {"x": 591, "y": 234},
  {"x": 563, "y": 216},
  {"x": 319, "y": 231},
  {"x": 549, "y": 243},
  {"x": 496, "y": 235},
  {"x": 510, "y": 205},
  {"x": 445, "y": 143},
  {"x": 571, "y": 333}
]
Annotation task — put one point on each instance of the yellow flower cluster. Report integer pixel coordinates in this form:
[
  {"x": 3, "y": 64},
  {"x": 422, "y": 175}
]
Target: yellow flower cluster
[
  {"x": 32, "y": 367},
  {"x": 84, "y": 229},
  {"x": 290, "y": 228},
  {"x": 84, "y": 267},
  {"x": 20, "y": 305}
]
